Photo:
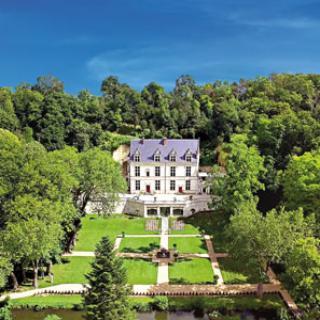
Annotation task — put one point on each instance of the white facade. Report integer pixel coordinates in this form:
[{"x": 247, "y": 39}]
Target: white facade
[
  {"x": 171, "y": 168},
  {"x": 163, "y": 178}
]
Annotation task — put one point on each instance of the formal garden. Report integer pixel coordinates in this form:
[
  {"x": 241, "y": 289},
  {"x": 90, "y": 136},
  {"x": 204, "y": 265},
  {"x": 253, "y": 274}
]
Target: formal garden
[
  {"x": 134, "y": 237},
  {"x": 192, "y": 267}
]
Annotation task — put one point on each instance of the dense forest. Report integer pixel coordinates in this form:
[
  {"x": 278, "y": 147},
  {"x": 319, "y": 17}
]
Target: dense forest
[{"x": 263, "y": 133}]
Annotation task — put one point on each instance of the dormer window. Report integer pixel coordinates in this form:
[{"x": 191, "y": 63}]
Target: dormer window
[
  {"x": 157, "y": 156},
  {"x": 188, "y": 156},
  {"x": 173, "y": 156},
  {"x": 137, "y": 157}
]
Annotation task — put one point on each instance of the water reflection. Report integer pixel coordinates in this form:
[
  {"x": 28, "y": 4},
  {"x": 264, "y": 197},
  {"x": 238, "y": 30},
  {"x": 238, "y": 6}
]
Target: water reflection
[{"x": 178, "y": 315}]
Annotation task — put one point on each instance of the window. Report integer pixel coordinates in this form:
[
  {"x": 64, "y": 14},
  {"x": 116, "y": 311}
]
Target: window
[
  {"x": 178, "y": 212},
  {"x": 157, "y": 158},
  {"x": 188, "y": 185},
  {"x": 152, "y": 212},
  {"x": 157, "y": 185},
  {"x": 172, "y": 185},
  {"x": 137, "y": 184},
  {"x": 188, "y": 171},
  {"x": 173, "y": 157},
  {"x": 172, "y": 171},
  {"x": 137, "y": 171},
  {"x": 188, "y": 157},
  {"x": 137, "y": 157},
  {"x": 157, "y": 171},
  {"x": 148, "y": 173}
]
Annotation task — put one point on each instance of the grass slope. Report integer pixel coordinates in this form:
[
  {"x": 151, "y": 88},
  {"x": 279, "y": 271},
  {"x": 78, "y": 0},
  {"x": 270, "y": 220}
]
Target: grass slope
[
  {"x": 191, "y": 271},
  {"x": 71, "y": 270},
  {"x": 188, "y": 245},
  {"x": 95, "y": 227},
  {"x": 139, "y": 245},
  {"x": 141, "y": 271},
  {"x": 234, "y": 272}
]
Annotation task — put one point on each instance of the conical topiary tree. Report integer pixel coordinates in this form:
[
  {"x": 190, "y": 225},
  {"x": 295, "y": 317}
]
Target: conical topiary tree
[{"x": 107, "y": 297}]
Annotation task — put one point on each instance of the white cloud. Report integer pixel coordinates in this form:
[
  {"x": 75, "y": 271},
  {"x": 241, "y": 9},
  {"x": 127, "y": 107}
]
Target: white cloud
[
  {"x": 140, "y": 66},
  {"x": 294, "y": 23}
]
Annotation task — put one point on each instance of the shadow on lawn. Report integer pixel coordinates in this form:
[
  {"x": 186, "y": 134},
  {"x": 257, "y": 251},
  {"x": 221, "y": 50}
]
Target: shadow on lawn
[
  {"x": 184, "y": 281},
  {"x": 143, "y": 249},
  {"x": 212, "y": 223}
]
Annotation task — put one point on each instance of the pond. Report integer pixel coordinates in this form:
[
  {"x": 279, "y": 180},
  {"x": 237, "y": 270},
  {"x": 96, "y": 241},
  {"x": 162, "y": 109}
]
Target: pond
[{"x": 76, "y": 315}]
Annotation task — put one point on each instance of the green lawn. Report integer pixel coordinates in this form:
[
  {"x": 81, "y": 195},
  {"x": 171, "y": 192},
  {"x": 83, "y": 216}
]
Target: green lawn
[
  {"x": 234, "y": 272},
  {"x": 211, "y": 223},
  {"x": 191, "y": 271},
  {"x": 139, "y": 245},
  {"x": 72, "y": 270},
  {"x": 188, "y": 228},
  {"x": 54, "y": 301},
  {"x": 141, "y": 271},
  {"x": 95, "y": 227},
  {"x": 188, "y": 245}
]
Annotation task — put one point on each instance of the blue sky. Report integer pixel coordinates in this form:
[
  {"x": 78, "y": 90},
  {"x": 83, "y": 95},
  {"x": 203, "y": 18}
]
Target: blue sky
[{"x": 83, "y": 41}]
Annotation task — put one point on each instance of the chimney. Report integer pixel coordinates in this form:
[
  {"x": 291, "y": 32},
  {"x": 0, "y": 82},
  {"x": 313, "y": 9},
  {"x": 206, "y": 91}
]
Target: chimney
[
  {"x": 164, "y": 141},
  {"x": 141, "y": 141}
]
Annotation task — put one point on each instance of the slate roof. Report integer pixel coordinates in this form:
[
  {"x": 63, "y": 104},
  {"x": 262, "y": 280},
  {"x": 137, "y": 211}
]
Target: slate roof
[{"x": 148, "y": 147}]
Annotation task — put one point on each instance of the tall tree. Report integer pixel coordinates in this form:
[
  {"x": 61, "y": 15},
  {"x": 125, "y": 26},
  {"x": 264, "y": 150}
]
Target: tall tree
[
  {"x": 260, "y": 240},
  {"x": 5, "y": 267},
  {"x": 243, "y": 168},
  {"x": 301, "y": 183},
  {"x": 303, "y": 271},
  {"x": 100, "y": 177},
  {"x": 48, "y": 84},
  {"x": 107, "y": 296},
  {"x": 8, "y": 119}
]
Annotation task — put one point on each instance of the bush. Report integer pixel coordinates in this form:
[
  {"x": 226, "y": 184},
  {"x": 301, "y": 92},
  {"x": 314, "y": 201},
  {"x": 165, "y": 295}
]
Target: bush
[
  {"x": 215, "y": 279},
  {"x": 141, "y": 307},
  {"x": 38, "y": 307},
  {"x": 5, "y": 313},
  {"x": 160, "y": 303},
  {"x": 78, "y": 307}
]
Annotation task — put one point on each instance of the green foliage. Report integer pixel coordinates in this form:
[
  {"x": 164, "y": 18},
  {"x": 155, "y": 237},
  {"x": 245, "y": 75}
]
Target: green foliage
[
  {"x": 108, "y": 285},
  {"x": 254, "y": 128},
  {"x": 259, "y": 240},
  {"x": 100, "y": 180},
  {"x": 160, "y": 303},
  {"x": 303, "y": 270},
  {"x": 301, "y": 183},
  {"x": 244, "y": 169},
  {"x": 8, "y": 119},
  {"x": 5, "y": 269},
  {"x": 5, "y": 313}
]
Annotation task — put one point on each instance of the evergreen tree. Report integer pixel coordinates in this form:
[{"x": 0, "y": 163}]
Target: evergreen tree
[{"x": 107, "y": 296}]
